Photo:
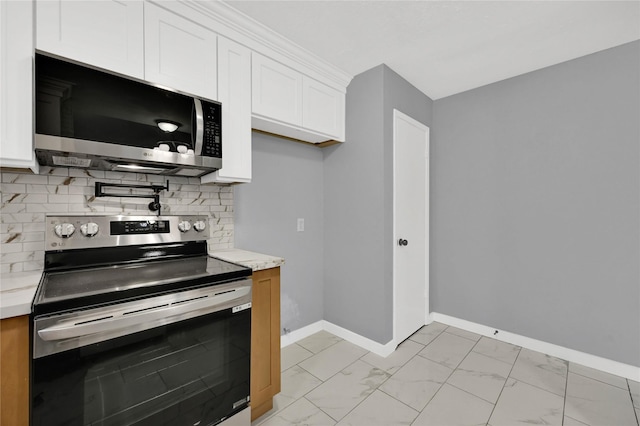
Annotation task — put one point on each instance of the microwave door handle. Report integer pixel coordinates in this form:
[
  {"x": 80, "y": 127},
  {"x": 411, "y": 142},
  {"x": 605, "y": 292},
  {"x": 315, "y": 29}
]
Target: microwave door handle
[
  {"x": 161, "y": 315},
  {"x": 199, "y": 126}
]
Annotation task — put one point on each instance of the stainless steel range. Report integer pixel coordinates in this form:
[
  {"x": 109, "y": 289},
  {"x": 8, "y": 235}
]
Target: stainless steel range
[{"x": 134, "y": 324}]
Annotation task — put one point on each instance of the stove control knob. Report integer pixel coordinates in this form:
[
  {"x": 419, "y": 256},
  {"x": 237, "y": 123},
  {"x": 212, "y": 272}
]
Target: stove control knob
[
  {"x": 89, "y": 229},
  {"x": 200, "y": 225},
  {"x": 64, "y": 230},
  {"x": 184, "y": 226}
]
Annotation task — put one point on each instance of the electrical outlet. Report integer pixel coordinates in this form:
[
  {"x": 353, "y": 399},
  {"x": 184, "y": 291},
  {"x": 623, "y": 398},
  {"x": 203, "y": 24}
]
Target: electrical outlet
[{"x": 300, "y": 224}]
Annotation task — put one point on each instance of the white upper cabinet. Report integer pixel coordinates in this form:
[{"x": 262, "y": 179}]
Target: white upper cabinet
[
  {"x": 234, "y": 92},
  {"x": 288, "y": 103},
  {"x": 179, "y": 53},
  {"x": 16, "y": 85},
  {"x": 323, "y": 108},
  {"x": 105, "y": 33},
  {"x": 277, "y": 90}
]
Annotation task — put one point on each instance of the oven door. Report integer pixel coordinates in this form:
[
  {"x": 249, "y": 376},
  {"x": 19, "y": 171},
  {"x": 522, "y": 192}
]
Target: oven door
[{"x": 178, "y": 359}]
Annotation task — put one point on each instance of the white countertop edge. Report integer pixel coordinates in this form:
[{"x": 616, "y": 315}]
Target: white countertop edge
[
  {"x": 16, "y": 293},
  {"x": 250, "y": 259}
]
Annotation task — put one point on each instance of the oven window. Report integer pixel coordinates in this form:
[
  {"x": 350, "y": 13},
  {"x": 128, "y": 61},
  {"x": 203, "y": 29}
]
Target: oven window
[{"x": 193, "y": 372}]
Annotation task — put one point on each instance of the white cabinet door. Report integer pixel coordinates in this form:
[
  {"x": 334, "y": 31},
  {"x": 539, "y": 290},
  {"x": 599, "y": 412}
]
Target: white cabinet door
[
  {"x": 104, "y": 33},
  {"x": 288, "y": 103},
  {"x": 179, "y": 54},
  {"x": 322, "y": 108},
  {"x": 276, "y": 91},
  {"x": 234, "y": 92},
  {"x": 16, "y": 85}
]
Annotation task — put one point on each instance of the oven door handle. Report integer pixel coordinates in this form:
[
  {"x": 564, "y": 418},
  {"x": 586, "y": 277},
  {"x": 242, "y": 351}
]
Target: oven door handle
[{"x": 148, "y": 317}]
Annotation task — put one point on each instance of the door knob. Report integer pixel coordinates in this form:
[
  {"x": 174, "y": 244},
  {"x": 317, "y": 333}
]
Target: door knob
[{"x": 402, "y": 242}]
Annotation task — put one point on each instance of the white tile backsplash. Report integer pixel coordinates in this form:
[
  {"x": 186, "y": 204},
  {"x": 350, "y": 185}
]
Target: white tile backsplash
[{"x": 27, "y": 199}]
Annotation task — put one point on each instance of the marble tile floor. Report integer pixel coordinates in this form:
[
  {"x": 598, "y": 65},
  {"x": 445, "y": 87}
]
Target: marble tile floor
[{"x": 444, "y": 376}]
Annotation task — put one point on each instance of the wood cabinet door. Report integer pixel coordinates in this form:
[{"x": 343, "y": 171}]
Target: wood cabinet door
[
  {"x": 265, "y": 340},
  {"x": 323, "y": 109},
  {"x": 14, "y": 371},
  {"x": 234, "y": 92},
  {"x": 276, "y": 91},
  {"x": 179, "y": 53},
  {"x": 107, "y": 34}
]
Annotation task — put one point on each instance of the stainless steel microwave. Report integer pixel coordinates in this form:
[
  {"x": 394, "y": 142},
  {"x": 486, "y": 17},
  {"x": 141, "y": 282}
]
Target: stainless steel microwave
[{"x": 93, "y": 119}]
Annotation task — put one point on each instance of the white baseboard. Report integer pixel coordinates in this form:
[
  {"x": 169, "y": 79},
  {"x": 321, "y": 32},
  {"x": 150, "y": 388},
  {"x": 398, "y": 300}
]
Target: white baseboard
[
  {"x": 384, "y": 350},
  {"x": 368, "y": 344},
  {"x": 365, "y": 343},
  {"x": 572, "y": 355},
  {"x": 301, "y": 333}
]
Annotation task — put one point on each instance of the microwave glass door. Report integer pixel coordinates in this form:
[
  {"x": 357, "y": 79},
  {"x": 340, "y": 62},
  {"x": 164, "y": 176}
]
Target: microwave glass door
[{"x": 82, "y": 103}]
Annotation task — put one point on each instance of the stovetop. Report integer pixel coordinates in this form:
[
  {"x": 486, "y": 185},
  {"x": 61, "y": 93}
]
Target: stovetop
[
  {"x": 109, "y": 267},
  {"x": 82, "y": 288}
]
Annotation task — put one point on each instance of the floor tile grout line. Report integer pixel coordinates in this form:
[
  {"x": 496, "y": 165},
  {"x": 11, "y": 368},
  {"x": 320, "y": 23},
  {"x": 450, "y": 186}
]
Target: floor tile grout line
[
  {"x": 397, "y": 368},
  {"x": 302, "y": 360},
  {"x": 439, "y": 388},
  {"x": 472, "y": 394},
  {"x": 396, "y": 399},
  {"x": 329, "y": 378},
  {"x": 457, "y": 335},
  {"x": 320, "y": 408},
  {"x": 603, "y": 383},
  {"x": 323, "y": 349},
  {"x": 387, "y": 379},
  {"x": 377, "y": 387},
  {"x": 504, "y": 384},
  {"x": 566, "y": 390},
  {"x": 453, "y": 370},
  {"x": 538, "y": 387},
  {"x": 633, "y": 402},
  {"x": 597, "y": 380},
  {"x": 320, "y": 384},
  {"x": 457, "y": 367},
  {"x": 445, "y": 365},
  {"x": 494, "y": 358},
  {"x": 575, "y": 420}
]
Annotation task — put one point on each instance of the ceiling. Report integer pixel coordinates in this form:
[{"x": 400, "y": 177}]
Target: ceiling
[{"x": 447, "y": 47}]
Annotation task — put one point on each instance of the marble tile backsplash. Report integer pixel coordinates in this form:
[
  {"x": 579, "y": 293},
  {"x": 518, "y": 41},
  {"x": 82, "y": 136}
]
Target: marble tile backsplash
[{"x": 27, "y": 199}]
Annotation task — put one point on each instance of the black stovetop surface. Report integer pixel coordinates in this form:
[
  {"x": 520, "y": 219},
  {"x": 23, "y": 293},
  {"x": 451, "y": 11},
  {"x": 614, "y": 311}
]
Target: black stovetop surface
[{"x": 64, "y": 288}]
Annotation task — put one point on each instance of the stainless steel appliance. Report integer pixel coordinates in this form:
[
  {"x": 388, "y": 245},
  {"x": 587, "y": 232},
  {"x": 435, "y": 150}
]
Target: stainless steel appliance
[
  {"x": 134, "y": 324},
  {"x": 97, "y": 120}
]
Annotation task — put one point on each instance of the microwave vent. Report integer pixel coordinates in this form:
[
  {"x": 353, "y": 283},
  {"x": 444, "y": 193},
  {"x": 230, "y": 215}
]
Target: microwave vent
[{"x": 71, "y": 161}]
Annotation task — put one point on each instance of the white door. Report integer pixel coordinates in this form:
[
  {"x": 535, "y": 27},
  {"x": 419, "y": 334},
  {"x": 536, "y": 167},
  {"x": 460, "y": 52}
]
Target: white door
[{"x": 411, "y": 225}]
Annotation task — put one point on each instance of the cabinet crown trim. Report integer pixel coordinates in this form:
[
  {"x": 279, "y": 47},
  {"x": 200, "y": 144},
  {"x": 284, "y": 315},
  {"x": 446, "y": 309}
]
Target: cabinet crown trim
[{"x": 261, "y": 35}]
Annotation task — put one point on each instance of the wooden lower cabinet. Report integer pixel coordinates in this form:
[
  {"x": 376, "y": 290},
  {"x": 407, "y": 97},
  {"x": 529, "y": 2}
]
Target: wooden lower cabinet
[
  {"x": 265, "y": 340},
  {"x": 14, "y": 371}
]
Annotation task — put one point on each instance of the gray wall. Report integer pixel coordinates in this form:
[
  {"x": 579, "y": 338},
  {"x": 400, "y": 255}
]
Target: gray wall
[
  {"x": 358, "y": 204},
  {"x": 535, "y": 205},
  {"x": 287, "y": 184}
]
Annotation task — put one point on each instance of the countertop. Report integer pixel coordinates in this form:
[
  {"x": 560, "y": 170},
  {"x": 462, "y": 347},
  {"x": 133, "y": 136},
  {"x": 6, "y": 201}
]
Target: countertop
[
  {"x": 253, "y": 260},
  {"x": 16, "y": 293},
  {"x": 17, "y": 289}
]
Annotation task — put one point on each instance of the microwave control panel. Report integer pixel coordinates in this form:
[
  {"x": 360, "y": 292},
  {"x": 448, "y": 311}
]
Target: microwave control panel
[{"x": 212, "y": 138}]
